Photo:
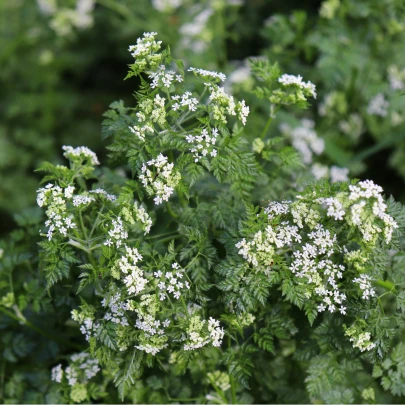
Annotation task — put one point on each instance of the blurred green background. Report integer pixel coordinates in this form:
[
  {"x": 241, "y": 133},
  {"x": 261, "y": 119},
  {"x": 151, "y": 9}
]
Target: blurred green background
[{"x": 63, "y": 62}]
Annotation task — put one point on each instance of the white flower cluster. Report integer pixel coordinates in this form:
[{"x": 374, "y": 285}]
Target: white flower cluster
[
  {"x": 164, "y": 78},
  {"x": 152, "y": 349},
  {"x": 56, "y": 198},
  {"x": 64, "y": 19},
  {"x": 142, "y": 216},
  {"x": 335, "y": 208},
  {"x": 321, "y": 272},
  {"x": 361, "y": 340},
  {"x": 276, "y": 208},
  {"x": 222, "y": 104},
  {"x": 203, "y": 144},
  {"x": 219, "y": 379},
  {"x": 216, "y": 333},
  {"x": 313, "y": 261},
  {"x": 304, "y": 139},
  {"x": 162, "y": 180},
  {"x": 71, "y": 375},
  {"x": 353, "y": 126},
  {"x": 238, "y": 75},
  {"x": 339, "y": 174},
  {"x": 134, "y": 276},
  {"x": 81, "y": 369},
  {"x": 89, "y": 328},
  {"x": 81, "y": 152},
  {"x": 117, "y": 233},
  {"x": 170, "y": 282},
  {"x": 102, "y": 192},
  {"x": 335, "y": 173},
  {"x": 141, "y": 131},
  {"x": 82, "y": 200},
  {"x": 303, "y": 214},
  {"x": 150, "y": 325},
  {"x": 150, "y": 110},
  {"x": 378, "y": 105},
  {"x": 243, "y": 111},
  {"x": 365, "y": 193},
  {"x": 166, "y": 5},
  {"x": 86, "y": 363},
  {"x": 396, "y": 77},
  {"x": 185, "y": 101},
  {"x": 198, "y": 336},
  {"x": 145, "y": 46},
  {"x": 208, "y": 74},
  {"x": 159, "y": 111},
  {"x": 57, "y": 373},
  {"x": 116, "y": 308},
  {"x": 291, "y": 80},
  {"x": 154, "y": 338},
  {"x": 364, "y": 282},
  {"x": 261, "y": 249}
]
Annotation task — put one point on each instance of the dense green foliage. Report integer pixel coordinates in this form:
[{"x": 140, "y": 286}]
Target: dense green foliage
[{"x": 219, "y": 253}]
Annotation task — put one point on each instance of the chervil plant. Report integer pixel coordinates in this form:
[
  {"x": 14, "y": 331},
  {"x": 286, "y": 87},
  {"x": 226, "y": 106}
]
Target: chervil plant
[{"x": 194, "y": 268}]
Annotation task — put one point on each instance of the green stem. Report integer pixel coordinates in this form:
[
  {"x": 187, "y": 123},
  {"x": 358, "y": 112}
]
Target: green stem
[
  {"x": 273, "y": 112},
  {"x": 169, "y": 238},
  {"x": 264, "y": 132},
  {"x": 162, "y": 234},
  {"x": 170, "y": 211},
  {"x": 78, "y": 245},
  {"x": 82, "y": 225},
  {"x": 96, "y": 222},
  {"x": 388, "y": 285},
  {"x": 22, "y": 320}
]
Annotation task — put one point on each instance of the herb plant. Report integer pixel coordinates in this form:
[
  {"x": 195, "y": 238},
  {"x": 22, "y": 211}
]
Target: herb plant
[{"x": 194, "y": 268}]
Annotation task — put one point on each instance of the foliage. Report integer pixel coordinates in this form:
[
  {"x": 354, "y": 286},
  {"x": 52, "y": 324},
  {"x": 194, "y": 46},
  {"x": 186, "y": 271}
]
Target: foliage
[{"x": 172, "y": 272}]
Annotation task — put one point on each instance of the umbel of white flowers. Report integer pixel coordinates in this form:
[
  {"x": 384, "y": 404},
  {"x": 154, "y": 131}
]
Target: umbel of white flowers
[{"x": 362, "y": 207}]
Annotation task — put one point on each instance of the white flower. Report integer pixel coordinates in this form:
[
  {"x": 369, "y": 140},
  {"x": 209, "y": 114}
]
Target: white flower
[
  {"x": 141, "y": 131},
  {"x": 59, "y": 220},
  {"x": 145, "y": 46},
  {"x": 71, "y": 375},
  {"x": 320, "y": 171},
  {"x": 102, "y": 192},
  {"x": 117, "y": 308},
  {"x": 335, "y": 208},
  {"x": 162, "y": 180},
  {"x": 378, "y": 105},
  {"x": 82, "y": 200},
  {"x": 81, "y": 152},
  {"x": 338, "y": 174},
  {"x": 305, "y": 139},
  {"x": 203, "y": 144},
  {"x": 216, "y": 333},
  {"x": 208, "y": 74},
  {"x": 364, "y": 281},
  {"x": 117, "y": 234},
  {"x": 57, "y": 373},
  {"x": 165, "y": 5},
  {"x": 288, "y": 80},
  {"x": 69, "y": 192}
]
